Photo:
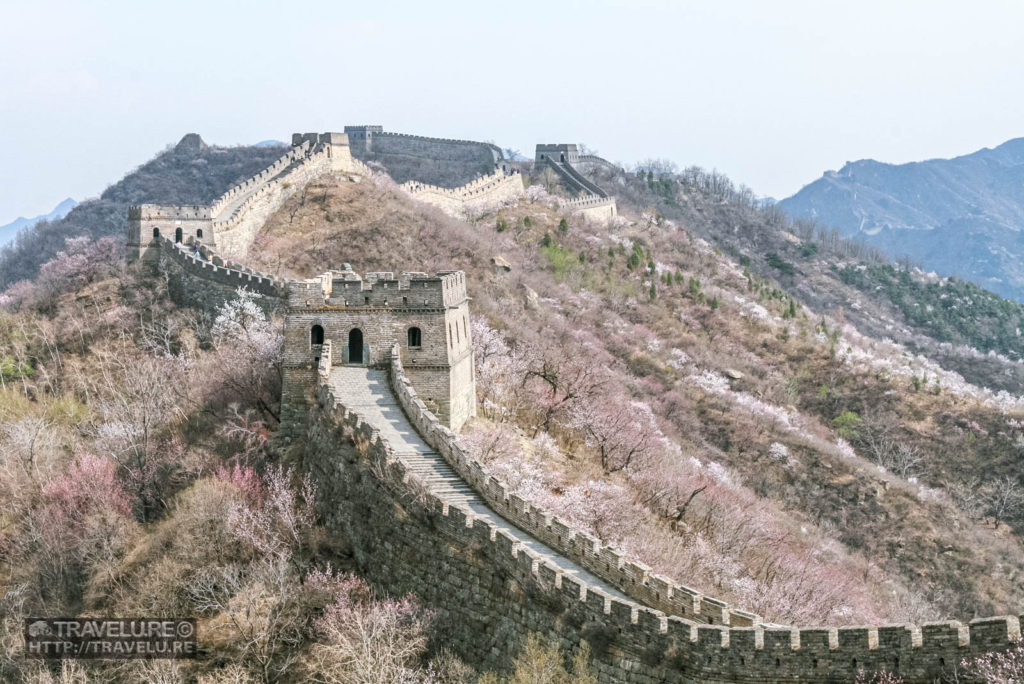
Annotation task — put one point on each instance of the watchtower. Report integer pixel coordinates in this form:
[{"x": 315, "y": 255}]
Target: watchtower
[
  {"x": 565, "y": 153},
  {"x": 364, "y": 317},
  {"x": 361, "y": 137}
]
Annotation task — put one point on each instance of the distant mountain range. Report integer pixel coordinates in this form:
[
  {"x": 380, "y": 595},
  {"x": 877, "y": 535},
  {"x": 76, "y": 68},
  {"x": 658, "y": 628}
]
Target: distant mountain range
[
  {"x": 8, "y": 232},
  {"x": 962, "y": 216}
]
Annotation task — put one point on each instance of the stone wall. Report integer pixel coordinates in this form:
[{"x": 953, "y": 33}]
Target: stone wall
[
  {"x": 231, "y": 222},
  {"x": 590, "y": 162},
  {"x": 574, "y": 180},
  {"x": 489, "y": 592},
  {"x": 592, "y": 202},
  {"x": 483, "y": 194},
  {"x": 443, "y": 162},
  {"x": 592, "y": 208},
  {"x": 207, "y": 281}
]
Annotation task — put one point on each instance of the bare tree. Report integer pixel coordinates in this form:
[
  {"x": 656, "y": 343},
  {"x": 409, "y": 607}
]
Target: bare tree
[
  {"x": 904, "y": 460},
  {"x": 261, "y": 609},
  {"x": 1005, "y": 499},
  {"x": 134, "y": 398}
]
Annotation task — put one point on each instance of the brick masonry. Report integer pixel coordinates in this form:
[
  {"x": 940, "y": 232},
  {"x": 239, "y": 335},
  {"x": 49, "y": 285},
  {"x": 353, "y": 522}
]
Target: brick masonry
[
  {"x": 365, "y": 318},
  {"x": 490, "y": 590}
]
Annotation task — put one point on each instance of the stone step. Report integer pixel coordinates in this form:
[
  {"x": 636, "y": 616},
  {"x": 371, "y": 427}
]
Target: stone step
[{"x": 368, "y": 393}]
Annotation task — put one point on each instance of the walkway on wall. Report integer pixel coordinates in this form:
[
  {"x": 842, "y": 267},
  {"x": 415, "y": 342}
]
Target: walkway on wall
[
  {"x": 574, "y": 179},
  {"x": 238, "y": 201},
  {"x": 368, "y": 393}
]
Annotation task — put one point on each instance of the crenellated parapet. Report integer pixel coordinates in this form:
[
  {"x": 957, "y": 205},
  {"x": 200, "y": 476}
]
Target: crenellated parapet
[
  {"x": 591, "y": 207},
  {"x": 655, "y": 629},
  {"x": 379, "y": 290},
  {"x": 608, "y": 563},
  {"x": 211, "y": 269},
  {"x": 483, "y": 194},
  {"x": 592, "y": 161}
]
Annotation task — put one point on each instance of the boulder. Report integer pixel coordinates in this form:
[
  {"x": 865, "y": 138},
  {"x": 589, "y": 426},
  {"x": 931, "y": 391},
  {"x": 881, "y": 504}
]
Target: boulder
[
  {"x": 500, "y": 264},
  {"x": 530, "y": 298}
]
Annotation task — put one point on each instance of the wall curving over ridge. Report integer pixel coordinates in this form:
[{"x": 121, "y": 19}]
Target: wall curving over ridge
[
  {"x": 482, "y": 194},
  {"x": 206, "y": 281},
  {"x": 490, "y": 590},
  {"x": 230, "y": 222}
]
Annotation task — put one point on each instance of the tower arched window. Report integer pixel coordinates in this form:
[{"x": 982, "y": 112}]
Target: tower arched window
[
  {"x": 316, "y": 334},
  {"x": 178, "y": 235},
  {"x": 415, "y": 338},
  {"x": 156, "y": 232},
  {"x": 199, "y": 232}
]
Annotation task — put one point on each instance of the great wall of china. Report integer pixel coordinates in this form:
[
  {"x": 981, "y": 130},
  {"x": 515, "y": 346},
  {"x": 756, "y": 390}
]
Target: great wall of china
[
  {"x": 422, "y": 514},
  {"x": 476, "y": 196},
  {"x": 590, "y": 201}
]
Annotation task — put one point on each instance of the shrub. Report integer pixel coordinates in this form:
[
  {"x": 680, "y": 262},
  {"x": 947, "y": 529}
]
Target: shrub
[
  {"x": 779, "y": 264},
  {"x": 847, "y": 424}
]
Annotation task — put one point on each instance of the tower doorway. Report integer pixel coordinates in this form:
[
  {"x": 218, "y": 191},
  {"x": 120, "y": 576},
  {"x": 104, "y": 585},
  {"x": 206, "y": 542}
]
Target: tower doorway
[
  {"x": 355, "y": 346},
  {"x": 177, "y": 235}
]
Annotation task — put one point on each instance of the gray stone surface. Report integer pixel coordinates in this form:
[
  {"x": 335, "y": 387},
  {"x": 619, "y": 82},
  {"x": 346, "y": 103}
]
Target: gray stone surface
[{"x": 366, "y": 391}]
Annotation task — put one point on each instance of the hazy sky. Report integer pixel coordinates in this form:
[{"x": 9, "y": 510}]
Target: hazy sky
[{"x": 771, "y": 93}]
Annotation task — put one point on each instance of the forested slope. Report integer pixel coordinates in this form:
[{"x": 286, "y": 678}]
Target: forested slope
[{"x": 189, "y": 173}]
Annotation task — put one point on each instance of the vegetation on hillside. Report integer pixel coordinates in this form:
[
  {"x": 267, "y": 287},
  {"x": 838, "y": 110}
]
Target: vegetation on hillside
[
  {"x": 751, "y": 489},
  {"x": 947, "y": 309},
  {"x": 184, "y": 174}
]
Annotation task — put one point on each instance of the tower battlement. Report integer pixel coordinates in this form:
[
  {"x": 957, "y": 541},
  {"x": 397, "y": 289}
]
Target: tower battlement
[{"x": 411, "y": 290}]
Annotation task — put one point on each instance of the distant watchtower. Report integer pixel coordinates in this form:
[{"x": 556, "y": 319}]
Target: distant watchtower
[
  {"x": 427, "y": 316},
  {"x": 565, "y": 153},
  {"x": 361, "y": 137}
]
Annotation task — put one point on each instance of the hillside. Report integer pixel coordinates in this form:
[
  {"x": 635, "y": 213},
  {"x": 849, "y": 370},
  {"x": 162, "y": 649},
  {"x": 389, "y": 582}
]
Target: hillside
[
  {"x": 757, "y": 393},
  {"x": 747, "y": 405},
  {"x": 191, "y": 172},
  {"x": 960, "y": 216}
]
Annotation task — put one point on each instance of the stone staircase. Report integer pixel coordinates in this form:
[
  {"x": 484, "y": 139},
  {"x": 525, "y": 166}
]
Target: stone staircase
[{"x": 367, "y": 392}]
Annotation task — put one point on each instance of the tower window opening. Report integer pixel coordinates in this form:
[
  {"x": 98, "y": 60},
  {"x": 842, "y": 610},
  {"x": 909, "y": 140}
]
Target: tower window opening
[
  {"x": 316, "y": 334},
  {"x": 156, "y": 232},
  {"x": 199, "y": 232},
  {"x": 415, "y": 338}
]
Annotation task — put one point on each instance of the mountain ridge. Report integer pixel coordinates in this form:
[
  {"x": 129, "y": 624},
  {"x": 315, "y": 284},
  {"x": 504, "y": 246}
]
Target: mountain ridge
[
  {"x": 9, "y": 231},
  {"x": 925, "y": 209}
]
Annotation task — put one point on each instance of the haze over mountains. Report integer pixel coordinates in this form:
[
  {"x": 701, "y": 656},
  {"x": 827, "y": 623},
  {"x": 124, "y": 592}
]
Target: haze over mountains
[
  {"x": 960, "y": 216},
  {"x": 8, "y": 232}
]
